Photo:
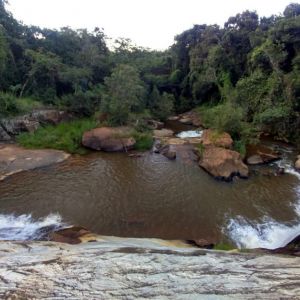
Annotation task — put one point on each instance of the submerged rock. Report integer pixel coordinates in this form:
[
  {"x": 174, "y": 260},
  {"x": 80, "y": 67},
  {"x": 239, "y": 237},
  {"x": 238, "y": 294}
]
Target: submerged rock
[
  {"x": 211, "y": 137},
  {"x": 169, "y": 152},
  {"x": 223, "y": 163},
  {"x": 260, "y": 154},
  {"x": 255, "y": 160},
  {"x": 15, "y": 159},
  {"x": 109, "y": 139}
]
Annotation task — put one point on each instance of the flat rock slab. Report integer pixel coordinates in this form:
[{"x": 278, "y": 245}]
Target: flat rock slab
[
  {"x": 138, "y": 269},
  {"x": 15, "y": 159}
]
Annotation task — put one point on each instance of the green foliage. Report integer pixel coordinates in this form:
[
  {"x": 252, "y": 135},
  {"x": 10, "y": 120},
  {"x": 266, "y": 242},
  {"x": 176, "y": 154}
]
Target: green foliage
[
  {"x": 124, "y": 94},
  {"x": 65, "y": 136},
  {"x": 162, "y": 106},
  {"x": 10, "y": 105},
  {"x": 83, "y": 103},
  {"x": 224, "y": 247},
  {"x": 144, "y": 140}
]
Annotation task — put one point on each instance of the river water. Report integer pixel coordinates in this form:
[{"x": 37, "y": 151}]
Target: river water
[{"x": 151, "y": 196}]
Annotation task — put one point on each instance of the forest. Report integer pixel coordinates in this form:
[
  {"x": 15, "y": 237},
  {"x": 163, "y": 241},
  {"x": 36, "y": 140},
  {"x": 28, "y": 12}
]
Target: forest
[{"x": 243, "y": 78}]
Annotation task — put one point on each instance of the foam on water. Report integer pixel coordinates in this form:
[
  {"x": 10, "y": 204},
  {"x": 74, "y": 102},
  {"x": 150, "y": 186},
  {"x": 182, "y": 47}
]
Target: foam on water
[
  {"x": 24, "y": 227},
  {"x": 269, "y": 234},
  {"x": 190, "y": 134}
]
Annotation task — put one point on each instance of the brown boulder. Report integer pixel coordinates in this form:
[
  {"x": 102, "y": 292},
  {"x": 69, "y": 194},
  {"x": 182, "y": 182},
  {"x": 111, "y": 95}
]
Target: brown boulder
[
  {"x": 163, "y": 133},
  {"x": 223, "y": 163},
  {"x": 213, "y": 138},
  {"x": 108, "y": 139},
  {"x": 71, "y": 235}
]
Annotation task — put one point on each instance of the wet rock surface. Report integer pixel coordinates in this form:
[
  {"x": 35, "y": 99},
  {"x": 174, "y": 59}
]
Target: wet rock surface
[
  {"x": 261, "y": 154},
  {"x": 223, "y": 163},
  {"x": 15, "y": 159},
  {"x": 115, "y": 268},
  {"x": 109, "y": 139}
]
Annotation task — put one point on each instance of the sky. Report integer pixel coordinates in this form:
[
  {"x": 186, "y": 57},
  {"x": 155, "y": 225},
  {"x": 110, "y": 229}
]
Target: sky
[{"x": 148, "y": 23}]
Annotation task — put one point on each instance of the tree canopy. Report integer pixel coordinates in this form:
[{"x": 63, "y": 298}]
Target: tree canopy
[{"x": 250, "y": 65}]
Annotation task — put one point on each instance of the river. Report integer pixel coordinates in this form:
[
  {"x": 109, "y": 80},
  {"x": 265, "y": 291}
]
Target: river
[{"x": 151, "y": 196}]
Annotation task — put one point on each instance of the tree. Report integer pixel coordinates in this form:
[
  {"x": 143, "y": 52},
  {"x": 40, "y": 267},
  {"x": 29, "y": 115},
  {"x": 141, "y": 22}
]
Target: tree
[
  {"x": 292, "y": 10},
  {"x": 124, "y": 95}
]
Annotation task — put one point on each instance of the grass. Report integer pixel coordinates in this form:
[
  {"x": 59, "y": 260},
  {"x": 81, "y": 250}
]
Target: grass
[
  {"x": 223, "y": 247},
  {"x": 65, "y": 136},
  {"x": 10, "y": 105},
  {"x": 144, "y": 140}
]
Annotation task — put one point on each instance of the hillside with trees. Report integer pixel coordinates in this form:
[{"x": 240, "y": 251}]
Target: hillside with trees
[{"x": 242, "y": 78}]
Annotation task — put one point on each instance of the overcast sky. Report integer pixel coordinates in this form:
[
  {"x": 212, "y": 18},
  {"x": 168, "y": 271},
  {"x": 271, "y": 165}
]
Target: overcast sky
[{"x": 149, "y": 23}]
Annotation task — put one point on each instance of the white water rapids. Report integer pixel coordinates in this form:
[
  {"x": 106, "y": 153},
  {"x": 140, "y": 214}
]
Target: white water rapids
[{"x": 269, "y": 234}]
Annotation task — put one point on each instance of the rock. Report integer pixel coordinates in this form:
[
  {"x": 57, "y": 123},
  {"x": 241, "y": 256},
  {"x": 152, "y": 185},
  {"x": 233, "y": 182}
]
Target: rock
[
  {"x": 17, "y": 125},
  {"x": 156, "y": 125},
  {"x": 72, "y": 235},
  {"x": 10, "y": 127},
  {"x": 4, "y": 136},
  {"x": 297, "y": 164},
  {"x": 260, "y": 154},
  {"x": 168, "y": 152},
  {"x": 191, "y": 118},
  {"x": 203, "y": 243},
  {"x": 255, "y": 160},
  {"x": 223, "y": 163},
  {"x": 186, "y": 121},
  {"x": 109, "y": 139},
  {"x": 14, "y": 159},
  {"x": 115, "y": 268},
  {"x": 163, "y": 133},
  {"x": 174, "y": 118},
  {"x": 213, "y": 138},
  {"x": 51, "y": 116}
]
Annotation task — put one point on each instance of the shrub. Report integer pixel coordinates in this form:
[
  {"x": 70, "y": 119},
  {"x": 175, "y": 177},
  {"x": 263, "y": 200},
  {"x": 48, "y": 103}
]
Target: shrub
[
  {"x": 10, "y": 105},
  {"x": 65, "y": 136}
]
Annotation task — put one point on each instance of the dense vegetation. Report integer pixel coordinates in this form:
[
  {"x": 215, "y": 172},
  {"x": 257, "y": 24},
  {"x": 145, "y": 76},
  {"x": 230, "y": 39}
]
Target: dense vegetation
[{"x": 244, "y": 77}]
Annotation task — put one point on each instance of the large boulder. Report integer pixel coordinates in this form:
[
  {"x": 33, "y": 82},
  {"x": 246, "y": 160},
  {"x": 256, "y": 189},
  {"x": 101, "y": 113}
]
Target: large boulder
[
  {"x": 223, "y": 163},
  {"x": 109, "y": 139},
  {"x": 213, "y": 138}
]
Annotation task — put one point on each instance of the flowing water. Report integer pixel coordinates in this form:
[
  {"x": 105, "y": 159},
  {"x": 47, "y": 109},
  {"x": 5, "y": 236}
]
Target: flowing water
[{"x": 151, "y": 196}]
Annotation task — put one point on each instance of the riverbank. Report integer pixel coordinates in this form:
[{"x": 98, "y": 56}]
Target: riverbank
[{"x": 142, "y": 268}]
